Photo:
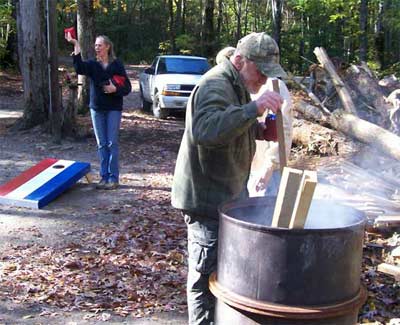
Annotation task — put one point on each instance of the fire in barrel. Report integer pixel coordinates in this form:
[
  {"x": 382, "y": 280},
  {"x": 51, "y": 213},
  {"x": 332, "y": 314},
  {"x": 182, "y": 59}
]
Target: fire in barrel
[{"x": 289, "y": 260}]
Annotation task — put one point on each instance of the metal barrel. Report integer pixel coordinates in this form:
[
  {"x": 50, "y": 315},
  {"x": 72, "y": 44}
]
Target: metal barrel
[{"x": 269, "y": 275}]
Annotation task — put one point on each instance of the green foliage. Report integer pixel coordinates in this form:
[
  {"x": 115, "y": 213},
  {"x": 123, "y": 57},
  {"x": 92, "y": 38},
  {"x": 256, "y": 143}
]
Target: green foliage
[
  {"x": 186, "y": 44},
  {"x": 165, "y": 47},
  {"x": 392, "y": 69},
  {"x": 142, "y": 29},
  {"x": 7, "y": 28}
]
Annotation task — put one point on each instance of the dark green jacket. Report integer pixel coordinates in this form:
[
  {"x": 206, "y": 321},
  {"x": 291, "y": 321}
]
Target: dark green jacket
[{"x": 218, "y": 144}]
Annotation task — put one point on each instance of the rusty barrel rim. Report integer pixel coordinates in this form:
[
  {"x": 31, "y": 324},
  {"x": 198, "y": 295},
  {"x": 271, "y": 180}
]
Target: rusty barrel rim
[
  {"x": 285, "y": 311},
  {"x": 235, "y": 204}
]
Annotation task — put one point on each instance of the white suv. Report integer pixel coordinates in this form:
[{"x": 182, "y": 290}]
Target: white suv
[{"x": 167, "y": 84}]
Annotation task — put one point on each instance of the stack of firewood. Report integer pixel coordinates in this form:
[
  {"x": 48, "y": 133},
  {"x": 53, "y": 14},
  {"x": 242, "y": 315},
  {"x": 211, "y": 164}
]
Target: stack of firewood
[{"x": 349, "y": 99}]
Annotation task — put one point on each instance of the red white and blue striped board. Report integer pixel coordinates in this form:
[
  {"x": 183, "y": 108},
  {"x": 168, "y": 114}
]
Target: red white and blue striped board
[{"x": 42, "y": 183}]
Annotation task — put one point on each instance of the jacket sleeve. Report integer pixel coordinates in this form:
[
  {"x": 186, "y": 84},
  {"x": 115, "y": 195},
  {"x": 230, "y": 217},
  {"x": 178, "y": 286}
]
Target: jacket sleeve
[
  {"x": 82, "y": 67},
  {"x": 126, "y": 88},
  {"x": 217, "y": 118}
]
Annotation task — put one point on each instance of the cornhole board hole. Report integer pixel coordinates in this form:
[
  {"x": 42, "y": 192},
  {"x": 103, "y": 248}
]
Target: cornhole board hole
[{"x": 42, "y": 183}]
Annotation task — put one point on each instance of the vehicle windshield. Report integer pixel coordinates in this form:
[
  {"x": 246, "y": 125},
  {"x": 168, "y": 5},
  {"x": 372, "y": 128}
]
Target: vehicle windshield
[{"x": 183, "y": 65}]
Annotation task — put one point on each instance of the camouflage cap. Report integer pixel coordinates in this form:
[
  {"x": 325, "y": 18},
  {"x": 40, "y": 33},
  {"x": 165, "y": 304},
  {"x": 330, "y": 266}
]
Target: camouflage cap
[{"x": 263, "y": 51}]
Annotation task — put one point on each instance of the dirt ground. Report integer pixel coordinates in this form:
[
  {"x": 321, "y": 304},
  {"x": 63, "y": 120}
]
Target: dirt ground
[
  {"x": 148, "y": 151},
  {"x": 93, "y": 232}
]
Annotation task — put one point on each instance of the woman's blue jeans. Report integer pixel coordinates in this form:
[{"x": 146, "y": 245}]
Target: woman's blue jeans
[{"x": 106, "y": 126}]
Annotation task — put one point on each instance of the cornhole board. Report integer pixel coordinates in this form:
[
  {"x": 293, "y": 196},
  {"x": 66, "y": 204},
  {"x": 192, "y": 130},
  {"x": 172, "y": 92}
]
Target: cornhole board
[{"x": 42, "y": 183}]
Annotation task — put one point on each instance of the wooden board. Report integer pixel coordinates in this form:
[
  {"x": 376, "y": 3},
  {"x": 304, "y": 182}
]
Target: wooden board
[
  {"x": 390, "y": 269},
  {"x": 388, "y": 220},
  {"x": 280, "y": 131},
  {"x": 287, "y": 195},
  {"x": 42, "y": 183},
  {"x": 304, "y": 198}
]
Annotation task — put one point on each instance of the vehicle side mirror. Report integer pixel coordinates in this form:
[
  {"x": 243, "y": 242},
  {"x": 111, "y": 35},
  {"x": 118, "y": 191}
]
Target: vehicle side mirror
[{"x": 149, "y": 70}]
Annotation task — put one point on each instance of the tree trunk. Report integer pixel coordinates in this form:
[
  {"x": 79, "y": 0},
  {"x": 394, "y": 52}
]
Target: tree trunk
[
  {"x": 246, "y": 17},
  {"x": 341, "y": 89},
  {"x": 33, "y": 62},
  {"x": 363, "y": 30},
  {"x": 388, "y": 35},
  {"x": 368, "y": 95},
  {"x": 318, "y": 139},
  {"x": 379, "y": 35},
  {"x": 237, "y": 5},
  {"x": 183, "y": 29},
  {"x": 277, "y": 20},
  {"x": 209, "y": 28},
  {"x": 367, "y": 132},
  {"x": 70, "y": 126},
  {"x": 55, "y": 96},
  {"x": 220, "y": 18},
  {"x": 86, "y": 37},
  {"x": 178, "y": 17},
  {"x": 361, "y": 130},
  {"x": 172, "y": 32}
]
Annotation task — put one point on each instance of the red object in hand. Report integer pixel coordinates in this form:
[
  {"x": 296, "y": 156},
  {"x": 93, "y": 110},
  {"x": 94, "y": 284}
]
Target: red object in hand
[
  {"x": 270, "y": 132},
  {"x": 118, "y": 80},
  {"x": 70, "y": 30}
]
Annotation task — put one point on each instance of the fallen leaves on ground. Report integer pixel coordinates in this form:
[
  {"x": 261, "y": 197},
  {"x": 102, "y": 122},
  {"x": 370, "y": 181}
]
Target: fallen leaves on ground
[
  {"x": 133, "y": 267},
  {"x": 383, "y": 302}
]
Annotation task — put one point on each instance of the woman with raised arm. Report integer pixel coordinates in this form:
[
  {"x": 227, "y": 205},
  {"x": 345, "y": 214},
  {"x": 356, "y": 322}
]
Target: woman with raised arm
[{"x": 108, "y": 84}]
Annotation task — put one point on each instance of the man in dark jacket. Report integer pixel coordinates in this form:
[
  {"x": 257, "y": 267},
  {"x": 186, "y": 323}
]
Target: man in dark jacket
[{"x": 215, "y": 155}]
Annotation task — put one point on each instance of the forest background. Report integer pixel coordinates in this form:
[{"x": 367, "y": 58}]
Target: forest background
[
  {"x": 354, "y": 30},
  {"x": 32, "y": 38}
]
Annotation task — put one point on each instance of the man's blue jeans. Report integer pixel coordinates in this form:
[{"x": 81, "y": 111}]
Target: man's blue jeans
[
  {"x": 202, "y": 249},
  {"x": 106, "y": 126}
]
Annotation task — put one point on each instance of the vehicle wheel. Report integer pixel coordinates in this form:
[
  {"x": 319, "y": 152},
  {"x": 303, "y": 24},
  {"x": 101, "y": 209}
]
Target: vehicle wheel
[
  {"x": 158, "y": 111},
  {"x": 145, "y": 104}
]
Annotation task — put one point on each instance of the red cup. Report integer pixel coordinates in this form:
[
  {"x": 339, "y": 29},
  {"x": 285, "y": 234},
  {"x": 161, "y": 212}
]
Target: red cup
[
  {"x": 270, "y": 132},
  {"x": 70, "y": 30}
]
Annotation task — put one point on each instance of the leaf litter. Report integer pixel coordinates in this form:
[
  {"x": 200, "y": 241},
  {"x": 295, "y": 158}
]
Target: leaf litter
[{"x": 134, "y": 267}]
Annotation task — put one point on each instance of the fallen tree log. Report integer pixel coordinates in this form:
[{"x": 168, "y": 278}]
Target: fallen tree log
[
  {"x": 368, "y": 95},
  {"x": 316, "y": 138},
  {"x": 311, "y": 112},
  {"x": 310, "y": 94},
  {"x": 341, "y": 89},
  {"x": 363, "y": 131},
  {"x": 390, "y": 83}
]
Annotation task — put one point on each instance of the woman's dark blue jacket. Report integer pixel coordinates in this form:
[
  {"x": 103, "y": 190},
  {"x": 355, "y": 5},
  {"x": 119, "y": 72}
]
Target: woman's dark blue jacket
[{"x": 99, "y": 77}]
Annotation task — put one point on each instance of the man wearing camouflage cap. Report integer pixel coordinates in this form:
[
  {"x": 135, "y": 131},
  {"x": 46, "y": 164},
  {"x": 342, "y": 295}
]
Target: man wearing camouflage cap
[{"x": 216, "y": 152}]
